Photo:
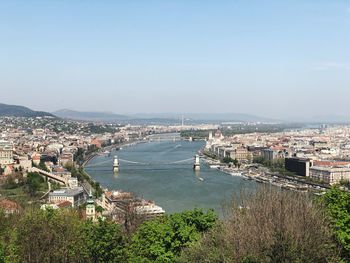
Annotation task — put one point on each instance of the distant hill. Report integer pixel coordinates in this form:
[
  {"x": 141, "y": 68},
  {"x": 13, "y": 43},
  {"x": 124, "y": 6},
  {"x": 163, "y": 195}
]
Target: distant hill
[
  {"x": 330, "y": 119},
  {"x": 160, "y": 118},
  {"x": 223, "y": 117},
  {"x": 21, "y": 111},
  {"x": 89, "y": 115}
]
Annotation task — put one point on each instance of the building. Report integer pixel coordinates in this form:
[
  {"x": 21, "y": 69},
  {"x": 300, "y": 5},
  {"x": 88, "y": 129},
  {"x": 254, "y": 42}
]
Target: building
[
  {"x": 90, "y": 209},
  {"x": 300, "y": 166},
  {"x": 240, "y": 154},
  {"x": 125, "y": 202},
  {"x": 275, "y": 152},
  {"x": 66, "y": 159},
  {"x": 36, "y": 158},
  {"x": 96, "y": 143},
  {"x": 73, "y": 182},
  {"x": 330, "y": 175},
  {"x": 25, "y": 163},
  {"x": 60, "y": 205},
  {"x": 75, "y": 196},
  {"x": 6, "y": 153}
]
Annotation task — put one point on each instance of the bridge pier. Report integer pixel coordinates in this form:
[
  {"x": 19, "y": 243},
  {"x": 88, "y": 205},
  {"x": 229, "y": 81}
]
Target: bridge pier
[
  {"x": 196, "y": 165},
  {"x": 116, "y": 164}
]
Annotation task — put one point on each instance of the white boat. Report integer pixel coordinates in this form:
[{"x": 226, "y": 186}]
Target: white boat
[{"x": 236, "y": 174}]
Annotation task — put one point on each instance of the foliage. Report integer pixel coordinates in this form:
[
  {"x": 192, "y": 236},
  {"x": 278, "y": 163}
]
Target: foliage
[
  {"x": 338, "y": 206},
  {"x": 276, "y": 165},
  {"x": 2, "y": 255},
  {"x": 79, "y": 156},
  {"x": 49, "y": 236},
  {"x": 14, "y": 181},
  {"x": 272, "y": 226},
  {"x": 83, "y": 176},
  {"x": 42, "y": 166},
  {"x": 227, "y": 160},
  {"x": 33, "y": 183},
  {"x": 62, "y": 236},
  {"x": 163, "y": 239},
  {"x": 105, "y": 242}
]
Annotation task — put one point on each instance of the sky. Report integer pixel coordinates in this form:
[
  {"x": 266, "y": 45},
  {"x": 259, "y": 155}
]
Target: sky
[{"x": 278, "y": 59}]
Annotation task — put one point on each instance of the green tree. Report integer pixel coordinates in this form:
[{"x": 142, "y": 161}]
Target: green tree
[
  {"x": 105, "y": 242},
  {"x": 50, "y": 236},
  {"x": 34, "y": 181},
  {"x": 2, "y": 254},
  {"x": 227, "y": 160},
  {"x": 163, "y": 239},
  {"x": 338, "y": 207},
  {"x": 42, "y": 166}
]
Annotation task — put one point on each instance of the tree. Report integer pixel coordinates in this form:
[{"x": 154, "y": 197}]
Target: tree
[
  {"x": 338, "y": 207},
  {"x": 42, "y": 166},
  {"x": 2, "y": 254},
  {"x": 227, "y": 160},
  {"x": 105, "y": 242},
  {"x": 50, "y": 236},
  {"x": 34, "y": 181},
  {"x": 268, "y": 226},
  {"x": 163, "y": 239}
]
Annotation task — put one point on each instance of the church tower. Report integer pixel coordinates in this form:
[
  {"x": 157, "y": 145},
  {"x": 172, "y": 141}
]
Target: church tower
[{"x": 90, "y": 208}]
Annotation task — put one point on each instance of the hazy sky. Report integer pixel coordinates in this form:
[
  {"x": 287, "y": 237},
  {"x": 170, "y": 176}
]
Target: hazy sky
[{"x": 270, "y": 58}]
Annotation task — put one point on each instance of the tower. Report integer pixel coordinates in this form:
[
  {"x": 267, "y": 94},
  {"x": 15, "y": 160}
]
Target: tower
[
  {"x": 196, "y": 165},
  {"x": 116, "y": 164},
  {"x": 90, "y": 208}
]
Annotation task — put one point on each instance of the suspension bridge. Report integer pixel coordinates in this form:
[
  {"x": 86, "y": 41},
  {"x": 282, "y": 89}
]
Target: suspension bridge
[{"x": 132, "y": 162}]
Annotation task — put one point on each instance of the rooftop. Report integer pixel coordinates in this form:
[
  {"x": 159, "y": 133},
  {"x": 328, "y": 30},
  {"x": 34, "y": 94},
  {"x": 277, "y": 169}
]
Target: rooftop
[{"x": 67, "y": 192}]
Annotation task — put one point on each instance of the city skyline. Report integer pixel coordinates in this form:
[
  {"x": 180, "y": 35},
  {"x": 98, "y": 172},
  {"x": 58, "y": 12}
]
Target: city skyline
[{"x": 272, "y": 59}]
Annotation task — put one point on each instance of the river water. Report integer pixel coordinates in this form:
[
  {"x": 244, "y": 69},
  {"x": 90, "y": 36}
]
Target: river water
[{"x": 159, "y": 171}]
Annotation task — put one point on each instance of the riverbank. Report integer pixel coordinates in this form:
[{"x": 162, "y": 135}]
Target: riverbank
[{"x": 262, "y": 174}]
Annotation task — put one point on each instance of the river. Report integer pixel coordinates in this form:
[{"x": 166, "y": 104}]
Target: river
[{"x": 159, "y": 171}]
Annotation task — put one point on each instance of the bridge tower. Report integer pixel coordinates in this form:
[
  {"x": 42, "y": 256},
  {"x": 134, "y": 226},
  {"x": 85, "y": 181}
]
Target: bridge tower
[
  {"x": 116, "y": 164},
  {"x": 196, "y": 165}
]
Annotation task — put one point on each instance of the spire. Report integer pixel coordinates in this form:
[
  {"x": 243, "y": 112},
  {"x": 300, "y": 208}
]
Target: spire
[{"x": 90, "y": 200}]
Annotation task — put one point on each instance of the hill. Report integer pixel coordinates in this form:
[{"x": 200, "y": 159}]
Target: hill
[
  {"x": 21, "y": 111},
  {"x": 227, "y": 117},
  {"x": 89, "y": 115}
]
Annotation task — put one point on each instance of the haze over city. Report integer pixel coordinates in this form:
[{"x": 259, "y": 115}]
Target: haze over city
[{"x": 279, "y": 59}]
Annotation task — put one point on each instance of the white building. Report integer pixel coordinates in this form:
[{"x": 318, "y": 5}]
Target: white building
[
  {"x": 6, "y": 152},
  {"x": 75, "y": 196},
  {"x": 330, "y": 175}
]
